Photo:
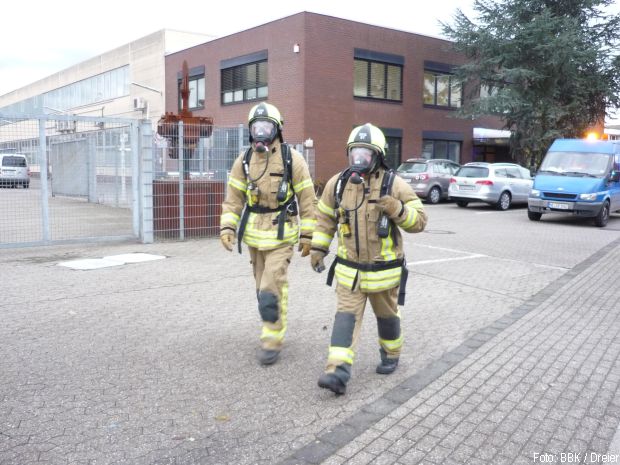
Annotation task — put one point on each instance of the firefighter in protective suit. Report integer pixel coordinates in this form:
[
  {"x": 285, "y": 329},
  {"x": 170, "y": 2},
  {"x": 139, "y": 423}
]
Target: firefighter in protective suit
[
  {"x": 365, "y": 206},
  {"x": 268, "y": 187}
]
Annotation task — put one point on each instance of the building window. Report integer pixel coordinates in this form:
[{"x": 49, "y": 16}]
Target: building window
[
  {"x": 377, "y": 80},
  {"x": 393, "y": 151},
  {"x": 244, "y": 82},
  {"x": 196, "y": 92},
  {"x": 432, "y": 148},
  {"x": 105, "y": 86},
  {"x": 441, "y": 90}
]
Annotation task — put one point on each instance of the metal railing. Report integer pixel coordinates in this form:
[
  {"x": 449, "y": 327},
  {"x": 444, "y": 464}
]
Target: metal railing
[
  {"x": 107, "y": 178},
  {"x": 83, "y": 180}
]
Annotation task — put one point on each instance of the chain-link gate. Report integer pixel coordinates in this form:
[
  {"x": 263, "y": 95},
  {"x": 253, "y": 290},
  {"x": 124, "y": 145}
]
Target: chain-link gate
[{"x": 82, "y": 180}]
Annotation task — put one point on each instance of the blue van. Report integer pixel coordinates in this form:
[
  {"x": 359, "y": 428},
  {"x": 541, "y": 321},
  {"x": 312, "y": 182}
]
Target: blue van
[{"x": 578, "y": 176}]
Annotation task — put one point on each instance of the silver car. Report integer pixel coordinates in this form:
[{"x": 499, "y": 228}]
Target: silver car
[
  {"x": 14, "y": 170},
  {"x": 429, "y": 178},
  {"x": 498, "y": 184}
]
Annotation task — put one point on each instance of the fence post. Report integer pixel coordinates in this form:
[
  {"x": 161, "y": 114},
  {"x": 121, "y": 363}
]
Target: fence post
[
  {"x": 146, "y": 184},
  {"x": 92, "y": 170},
  {"x": 135, "y": 179},
  {"x": 181, "y": 160},
  {"x": 45, "y": 213},
  {"x": 239, "y": 138}
]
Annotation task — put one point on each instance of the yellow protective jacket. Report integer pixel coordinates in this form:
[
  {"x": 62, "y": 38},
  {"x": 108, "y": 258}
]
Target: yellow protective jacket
[
  {"x": 266, "y": 169},
  {"x": 372, "y": 248}
]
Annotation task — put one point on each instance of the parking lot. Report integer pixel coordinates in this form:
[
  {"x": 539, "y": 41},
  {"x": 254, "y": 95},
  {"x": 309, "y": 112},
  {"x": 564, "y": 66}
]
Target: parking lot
[{"x": 154, "y": 363}]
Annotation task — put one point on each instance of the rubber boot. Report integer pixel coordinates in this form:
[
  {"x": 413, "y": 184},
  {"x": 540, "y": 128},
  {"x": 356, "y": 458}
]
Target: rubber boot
[
  {"x": 268, "y": 357},
  {"x": 387, "y": 365},
  {"x": 333, "y": 383}
]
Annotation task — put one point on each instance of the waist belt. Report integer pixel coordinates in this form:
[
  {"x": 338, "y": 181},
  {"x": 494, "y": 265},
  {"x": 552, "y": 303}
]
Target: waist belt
[
  {"x": 259, "y": 209},
  {"x": 377, "y": 266}
]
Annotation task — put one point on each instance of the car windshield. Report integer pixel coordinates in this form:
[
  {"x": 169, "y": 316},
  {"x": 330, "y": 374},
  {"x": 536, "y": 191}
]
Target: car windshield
[
  {"x": 576, "y": 163},
  {"x": 14, "y": 161},
  {"x": 473, "y": 172},
  {"x": 412, "y": 167}
]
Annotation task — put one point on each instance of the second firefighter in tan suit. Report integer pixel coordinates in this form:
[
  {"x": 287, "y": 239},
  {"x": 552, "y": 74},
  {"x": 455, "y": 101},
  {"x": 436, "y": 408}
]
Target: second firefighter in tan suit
[
  {"x": 269, "y": 185},
  {"x": 365, "y": 206}
]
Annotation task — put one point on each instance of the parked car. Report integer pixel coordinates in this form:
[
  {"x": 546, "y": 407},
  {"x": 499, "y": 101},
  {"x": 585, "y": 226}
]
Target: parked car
[
  {"x": 498, "y": 184},
  {"x": 430, "y": 178},
  {"x": 14, "y": 170},
  {"x": 578, "y": 177}
]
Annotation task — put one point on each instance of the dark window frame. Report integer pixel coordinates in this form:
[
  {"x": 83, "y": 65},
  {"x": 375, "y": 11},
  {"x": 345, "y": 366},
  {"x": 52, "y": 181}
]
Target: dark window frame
[
  {"x": 440, "y": 73},
  {"x": 386, "y": 66},
  {"x": 245, "y": 89},
  {"x": 195, "y": 78},
  {"x": 446, "y": 156},
  {"x": 393, "y": 141}
]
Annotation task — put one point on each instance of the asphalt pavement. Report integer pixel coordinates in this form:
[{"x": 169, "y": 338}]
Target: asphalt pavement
[{"x": 511, "y": 354}]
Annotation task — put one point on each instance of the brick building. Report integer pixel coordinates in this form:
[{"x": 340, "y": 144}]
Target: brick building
[{"x": 327, "y": 75}]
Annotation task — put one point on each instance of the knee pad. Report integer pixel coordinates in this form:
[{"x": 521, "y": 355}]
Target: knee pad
[
  {"x": 389, "y": 328},
  {"x": 268, "y": 306},
  {"x": 342, "y": 334}
]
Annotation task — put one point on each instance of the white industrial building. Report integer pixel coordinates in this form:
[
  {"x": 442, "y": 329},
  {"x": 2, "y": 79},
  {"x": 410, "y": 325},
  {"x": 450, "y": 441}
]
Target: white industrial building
[{"x": 127, "y": 82}]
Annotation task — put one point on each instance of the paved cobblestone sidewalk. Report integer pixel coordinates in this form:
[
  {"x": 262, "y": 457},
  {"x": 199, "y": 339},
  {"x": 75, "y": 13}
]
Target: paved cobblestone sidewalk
[{"x": 538, "y": 385}]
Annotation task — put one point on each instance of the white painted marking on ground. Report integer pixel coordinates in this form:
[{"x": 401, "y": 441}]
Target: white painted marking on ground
[
  {"x": 444, "y": 248},
  {"x": 90, "y": 264},
  {"x": 468, "y": 254},
  {"x": 134, "y": 257},
  {"x": 424, "y": 262},
  {"x": 111, "y": 260}
]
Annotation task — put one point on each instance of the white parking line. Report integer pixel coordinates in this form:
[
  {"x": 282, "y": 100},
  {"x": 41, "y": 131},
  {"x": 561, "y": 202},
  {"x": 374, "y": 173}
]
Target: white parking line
[
  {"x": 442, "y": 248},
  {"x": 505, "y": 212},
  {"x": 424, "y": 262},
  {"x": 475, "y": 255}
]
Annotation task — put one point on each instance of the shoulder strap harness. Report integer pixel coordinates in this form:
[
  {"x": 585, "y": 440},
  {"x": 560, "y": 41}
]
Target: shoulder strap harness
[
  {"x": 288, "y": 206},
  {"x": 382, "y": 230}
]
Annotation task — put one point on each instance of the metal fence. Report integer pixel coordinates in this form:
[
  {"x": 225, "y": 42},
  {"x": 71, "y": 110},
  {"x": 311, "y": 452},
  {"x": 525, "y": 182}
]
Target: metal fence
[
  {"x": 105, "y": 178},
  {"x": 189, "y": 185},
  {"x": 83, "y": 180}
]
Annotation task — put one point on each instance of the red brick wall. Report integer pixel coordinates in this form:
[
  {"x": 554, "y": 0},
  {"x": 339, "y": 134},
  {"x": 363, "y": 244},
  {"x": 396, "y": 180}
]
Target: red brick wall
[
  {"x": 314, "y": 88},
  {"x": 284, "y": 68}
]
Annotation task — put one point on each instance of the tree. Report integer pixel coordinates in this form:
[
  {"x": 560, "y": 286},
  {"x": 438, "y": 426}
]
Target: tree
[{"x": 551, "y": 67}]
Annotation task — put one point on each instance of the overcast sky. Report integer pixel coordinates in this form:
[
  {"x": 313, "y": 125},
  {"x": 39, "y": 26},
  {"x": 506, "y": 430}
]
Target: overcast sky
[{"x": 40, "y": 37}]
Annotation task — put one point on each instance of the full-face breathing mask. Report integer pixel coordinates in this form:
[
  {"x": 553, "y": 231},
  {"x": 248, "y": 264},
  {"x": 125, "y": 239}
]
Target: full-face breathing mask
[
  {"x": 361, "y": 161},
  {"x": 263, "y": 133}
]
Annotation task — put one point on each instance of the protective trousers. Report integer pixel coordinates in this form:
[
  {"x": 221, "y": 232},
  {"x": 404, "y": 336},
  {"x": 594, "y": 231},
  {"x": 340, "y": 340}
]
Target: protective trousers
[
  {"x": 270, "y": 268},
  {"x": 348, "y": 322}
]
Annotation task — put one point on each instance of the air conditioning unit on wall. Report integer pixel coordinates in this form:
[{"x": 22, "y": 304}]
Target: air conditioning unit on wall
[
  {"x": 65, "y": 126},
  {"x": 139, "y": 103}
]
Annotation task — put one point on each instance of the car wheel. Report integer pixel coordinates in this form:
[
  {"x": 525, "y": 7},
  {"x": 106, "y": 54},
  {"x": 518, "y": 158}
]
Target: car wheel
[
  {"x": 534, "y": 216},
  {"x": 504, "y": 201},
  {"x": 602, "y": 218},
  {"x": 462, "y": 203},
  {"x": 434, "y": 196}
]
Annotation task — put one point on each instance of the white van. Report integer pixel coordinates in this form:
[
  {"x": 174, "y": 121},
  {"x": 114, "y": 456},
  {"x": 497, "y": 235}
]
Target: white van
[{"x": 14, "y": 170}]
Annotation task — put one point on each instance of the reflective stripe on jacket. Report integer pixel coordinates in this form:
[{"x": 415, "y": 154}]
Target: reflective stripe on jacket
[{"x": 262, "y": 228}]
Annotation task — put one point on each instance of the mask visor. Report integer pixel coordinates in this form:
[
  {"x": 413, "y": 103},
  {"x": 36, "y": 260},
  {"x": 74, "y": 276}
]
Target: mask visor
[
  {"x": 360, "y": 159},
  {"x": 264, "y": 131}
]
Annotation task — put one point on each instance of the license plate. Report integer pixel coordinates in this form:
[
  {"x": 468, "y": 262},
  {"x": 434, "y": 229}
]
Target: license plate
[
  {"x": 558, "y": 205},
  {"x": 467, "y": 188}
]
